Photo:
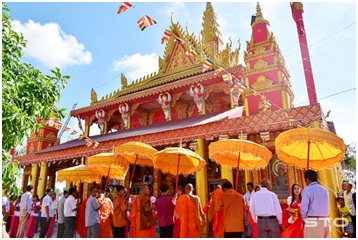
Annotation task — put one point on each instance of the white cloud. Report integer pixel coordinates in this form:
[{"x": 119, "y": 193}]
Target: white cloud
[
  {"x": 51, "y": 46},
  {"x": 137, "y": 65},
  {"x": 176, "y": 9}
]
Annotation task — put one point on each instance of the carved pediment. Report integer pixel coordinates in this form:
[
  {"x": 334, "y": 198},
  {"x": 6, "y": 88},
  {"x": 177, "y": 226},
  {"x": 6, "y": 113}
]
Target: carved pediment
[
  {"x": 260, "y": 64},
  {"x": 51, "y": 137},
  {"x": 262, "y": 82}
]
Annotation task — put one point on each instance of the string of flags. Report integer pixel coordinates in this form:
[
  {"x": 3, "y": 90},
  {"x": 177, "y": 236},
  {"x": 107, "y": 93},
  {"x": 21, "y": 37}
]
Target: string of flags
[{"x": 124, "y": 7}]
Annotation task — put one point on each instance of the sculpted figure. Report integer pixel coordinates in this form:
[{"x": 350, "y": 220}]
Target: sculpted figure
[
  {"x": 164, "y": 100},
  {"x": 197, "y": 92}
]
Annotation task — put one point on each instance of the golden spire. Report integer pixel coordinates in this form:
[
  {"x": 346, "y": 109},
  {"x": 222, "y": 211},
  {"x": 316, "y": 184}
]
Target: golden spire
[{"x": 259, "y": 15}]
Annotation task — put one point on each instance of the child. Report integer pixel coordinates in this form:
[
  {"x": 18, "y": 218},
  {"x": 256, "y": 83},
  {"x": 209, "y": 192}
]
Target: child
[
  {"x": 30, "y": 228},
  {"x": 15, "y": 220},
  {"x": 345, "y": 212}
]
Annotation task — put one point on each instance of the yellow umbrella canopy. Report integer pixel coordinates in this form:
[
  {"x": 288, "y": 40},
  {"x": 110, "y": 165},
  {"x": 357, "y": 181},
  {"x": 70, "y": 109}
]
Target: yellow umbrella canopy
[
  {"x": 108, "y": 164},
  {"x": 241, "y": 154},
  {"x": 167, "y": 161},
  {"x": 136, "y": 153},
  {"x": 252, "y": 155},
  {"x": 310, "y": 148},
  {"x": 80, "y": 173}
]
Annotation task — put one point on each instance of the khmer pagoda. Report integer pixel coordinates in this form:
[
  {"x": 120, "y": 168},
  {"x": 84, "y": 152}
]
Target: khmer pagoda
[{"x": 190, "y": 102}]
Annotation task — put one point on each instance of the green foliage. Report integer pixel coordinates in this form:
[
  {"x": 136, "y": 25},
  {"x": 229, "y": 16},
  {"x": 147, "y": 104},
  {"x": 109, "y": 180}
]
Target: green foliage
[
  {"x": 27, "y": 96},
  {"x": 350, "y": 156}
]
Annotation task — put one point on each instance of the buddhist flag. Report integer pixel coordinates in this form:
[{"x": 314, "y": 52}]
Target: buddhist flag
[
  {"x": 124, "y": 7},
  {"x": 181, "y": 41},
  {"x": 67, "y": 129},
  {"x": 227, "y": 77},
  {"x": 74, "y": 132},
  {"x": 206, "y": 65},
  {"x": 145, "y": 22},
  {"x": 256, "y": 93},
  {"x": 81, "y": 137},
  {"x": 95, "y": 145},
  {"x": 89, "y": 142},
  {"x": 191, "y": 52},
  {"x": 217, "y": 71},
  {"x": 268, "y": 104},
  {"x": 223, "y": 136},
  {"x": 167, "y": 35},
  {"x": 243, "y": 136},
  {"x": 265, "y": 135},
  {"x": 241, "y": 86},
  {"x": 328, "y": 113}
]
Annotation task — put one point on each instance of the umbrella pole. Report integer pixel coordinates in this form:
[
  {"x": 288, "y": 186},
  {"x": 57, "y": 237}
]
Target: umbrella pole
[
  {"x": 237, "y": 173},
  {"x": 308, "y": 154},
  {"x": 176, "y": 182},
  {"x": 130, "y": 183},
  {"x": 107, "y": 180}
]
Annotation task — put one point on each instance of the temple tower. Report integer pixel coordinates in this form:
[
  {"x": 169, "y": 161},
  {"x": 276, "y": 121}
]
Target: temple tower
[{"x": 266, "y": 70}]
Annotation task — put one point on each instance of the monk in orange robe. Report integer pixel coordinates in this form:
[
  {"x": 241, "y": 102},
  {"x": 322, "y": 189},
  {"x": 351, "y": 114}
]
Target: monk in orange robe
[
  {"x": 218, "y": 222},
  {"x": 188, "y": 213},
  {"x": 143, "y": 222},
  {"x": 80, "y": 225},
  {"x": 105, "y": 216}
]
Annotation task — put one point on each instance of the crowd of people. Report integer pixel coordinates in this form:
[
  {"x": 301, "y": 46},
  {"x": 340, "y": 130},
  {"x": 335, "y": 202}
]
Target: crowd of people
[{"x": 258, "y": 212}]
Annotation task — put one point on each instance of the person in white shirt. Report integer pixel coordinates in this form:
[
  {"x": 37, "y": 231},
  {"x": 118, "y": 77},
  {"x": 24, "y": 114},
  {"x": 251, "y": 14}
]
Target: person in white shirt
[
  {"x": 47, "y": 212},
  {"x": 348, "y": 200},
  {"x": 70, "y": 211},
  {"x": 61, "y": 215},
  {"x": 266, "y": 211},
  {"x": 25, "y": 210},
  {"x": 247, "y": 196},
  {"x": 148, "y": 178},
  {"x": 5, "y": 205}
]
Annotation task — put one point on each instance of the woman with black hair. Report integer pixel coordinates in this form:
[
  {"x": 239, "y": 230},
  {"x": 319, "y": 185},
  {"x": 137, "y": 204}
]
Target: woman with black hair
[{"x": 295, "y": 230}]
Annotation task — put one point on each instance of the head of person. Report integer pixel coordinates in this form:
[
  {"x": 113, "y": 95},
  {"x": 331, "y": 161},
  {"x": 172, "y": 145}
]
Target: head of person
[
  {"x": 120, "y": 190},
  {"x": 12, "y": 198},
  {"x": 296, "y": 192},
  {"x": 257, "y": 188},
  {"x": 340, "y": 201},
  {"x": 344, "y": 185},
  {"x": 6, "y": 192},
  {"x": 349, "y": 187},
  {"x": 250, "y": 186},
  {"x": 144, "y": 190},
  {"x": 310, "y": 176},
  {"x": 164, "y": 188},
  {"x": 189, "y": 188},
  {"x": 49, "y": 191},
  {"x": 72, "y": 191},
  {"x": 226, "y": 186},
  {"x": 35, "y": 198},
  {"x": 180, "y": 190},
  {"x": 224, "y": 180},
  {"x": 18, "y": 199},
  {"x": 266, "y": 184},
  {"x": 150, "y": 187},
  {"x": 30, "y": 188},
  {"x": 65, "y": 194},
  {"x": 93, "y": 192}
]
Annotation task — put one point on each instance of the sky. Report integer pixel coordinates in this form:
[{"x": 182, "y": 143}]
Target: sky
[{"x": 91, "y": 43}]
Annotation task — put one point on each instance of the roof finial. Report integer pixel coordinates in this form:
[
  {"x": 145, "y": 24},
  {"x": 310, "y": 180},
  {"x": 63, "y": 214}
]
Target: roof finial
[
  {"x": 259, "y": 15},
  {"x": 208, "y": 5}
]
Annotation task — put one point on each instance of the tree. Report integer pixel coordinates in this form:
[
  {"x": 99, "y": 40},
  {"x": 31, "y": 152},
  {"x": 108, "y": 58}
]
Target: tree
[
  {"x": 350, "y": 156},
  {"x": 27, "y": 97}
]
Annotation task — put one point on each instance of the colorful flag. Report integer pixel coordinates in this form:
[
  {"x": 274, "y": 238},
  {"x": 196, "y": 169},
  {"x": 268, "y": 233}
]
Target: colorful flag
[
  {"x": 265, "y": 135},
  {"x": 74, "y": 132},
  {"x": 256, "y": 93},
  {"x": 181, "y": 41},
  {"x": 81, "y": 137},
  {"x": 124, "y": 7},
  {"x": 243, "y": 136},
  {"x": 206, "y": 65},
  {"x": 241, "y": 86},
  {"x": 328, "y": 113},
  {"x": 95, "y": 145},
  {"x": 145, "y": 22},
  {"x": 227, "y": 77},
  {"x": 223, "y": 136},
  {"x": 193, "y": 145},
  {"x": 217, "y": 71},
  {"x": 191, "y": 52},
  {"x": 67, "y": 129},
  {"x": 167, "y": 35},
  {"x": 268, "y": 104},
  {"x": 90, "y": 142}
]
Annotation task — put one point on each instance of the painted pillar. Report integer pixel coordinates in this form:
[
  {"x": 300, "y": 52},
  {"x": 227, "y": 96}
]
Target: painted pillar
[
  {"x": 247, "y": 177},
  {"x": 34, "y": 178},
  {"x": 87, "y": 129},
  {"x": 226, "y": 172},
  {"x": 42, "y": 180},
  {"x": 202, "y": 182},
  {"x": 326, "y": 177},
  {"x": 68, "y": 185},
  {"x": 297, "y": 11}
]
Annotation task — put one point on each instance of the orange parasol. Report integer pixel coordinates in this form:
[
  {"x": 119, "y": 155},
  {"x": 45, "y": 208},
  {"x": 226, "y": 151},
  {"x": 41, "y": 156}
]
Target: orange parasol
[
  {"x": 79, "y": 173},
  {"x": 240, "y": 154},
  {"x": 177, "y": 160},
  {"x": 310, "y": 148}
]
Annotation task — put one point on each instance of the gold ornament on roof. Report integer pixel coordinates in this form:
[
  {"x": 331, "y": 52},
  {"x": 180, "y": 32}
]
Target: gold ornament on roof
[
  {"x": 124, "y": 81},
  {"x": 93, "y": 97},
  {"x": 260, "y": 64},
  {"x": 262, "y": 82}
]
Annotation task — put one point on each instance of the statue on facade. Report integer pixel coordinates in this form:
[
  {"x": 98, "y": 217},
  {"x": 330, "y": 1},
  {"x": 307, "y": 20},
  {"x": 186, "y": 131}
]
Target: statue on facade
[
  {"x": 124, "y": 81},
  {"x": 164, "y": 100},
  {"x": 100, "y": 114},
  {"x": 236, "y": 90},
  {"x": 93, "y": 96},
  {"x": 264, "y": 105},
  {"x": 80, "y": 124},
  {"x": 123, "y": 108},
  {"x": 198, "y": 93}
]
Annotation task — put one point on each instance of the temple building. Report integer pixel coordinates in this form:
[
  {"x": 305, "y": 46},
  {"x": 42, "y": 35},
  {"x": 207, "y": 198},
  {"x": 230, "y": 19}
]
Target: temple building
[{"x": 180, "y": 102}]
